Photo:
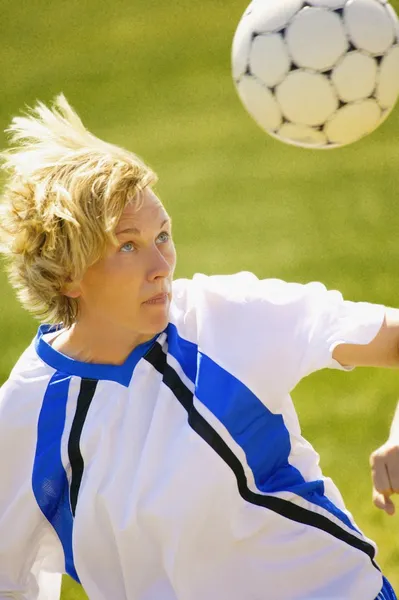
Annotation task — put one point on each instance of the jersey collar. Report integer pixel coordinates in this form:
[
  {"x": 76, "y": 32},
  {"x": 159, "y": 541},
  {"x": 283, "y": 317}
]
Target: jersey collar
[{"x": 119, "y": 373}]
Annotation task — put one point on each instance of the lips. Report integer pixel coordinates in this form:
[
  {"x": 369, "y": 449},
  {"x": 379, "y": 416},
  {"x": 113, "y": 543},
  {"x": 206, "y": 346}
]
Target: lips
[{"x": 157, "y": 299}]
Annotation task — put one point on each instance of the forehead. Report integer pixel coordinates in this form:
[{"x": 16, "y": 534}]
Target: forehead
[{"x": 148, "y": 210}]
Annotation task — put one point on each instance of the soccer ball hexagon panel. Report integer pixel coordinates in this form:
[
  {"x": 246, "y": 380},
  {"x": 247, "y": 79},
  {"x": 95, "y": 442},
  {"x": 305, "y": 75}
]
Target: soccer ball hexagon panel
[{"x": 317, "y": 73}]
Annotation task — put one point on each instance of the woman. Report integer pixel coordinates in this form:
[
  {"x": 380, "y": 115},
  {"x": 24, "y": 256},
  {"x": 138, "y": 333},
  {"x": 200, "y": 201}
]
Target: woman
[{"x": 149, "y": 444}]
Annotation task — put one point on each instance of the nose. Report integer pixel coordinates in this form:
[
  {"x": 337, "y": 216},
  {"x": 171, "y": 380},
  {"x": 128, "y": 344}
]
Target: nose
[{"x": 159, "y": 267}]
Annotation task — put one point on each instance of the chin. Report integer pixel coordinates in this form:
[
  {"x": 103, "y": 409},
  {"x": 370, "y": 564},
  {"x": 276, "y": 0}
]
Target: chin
[
  {"x": 157, "y": 324},
  {"x": 154, "y": 318}
]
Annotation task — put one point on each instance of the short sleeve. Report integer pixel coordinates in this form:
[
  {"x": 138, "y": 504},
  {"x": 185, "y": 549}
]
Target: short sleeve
[
  {"x": 271, "y": 333},
  {"x": 328, "y": 321}
]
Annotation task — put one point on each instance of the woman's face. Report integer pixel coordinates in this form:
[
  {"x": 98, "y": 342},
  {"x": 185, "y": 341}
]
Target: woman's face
[{"x": 130, "y": 288}]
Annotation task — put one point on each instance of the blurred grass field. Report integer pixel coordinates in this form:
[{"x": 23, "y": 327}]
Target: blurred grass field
[{"x": 155, "y": 77}]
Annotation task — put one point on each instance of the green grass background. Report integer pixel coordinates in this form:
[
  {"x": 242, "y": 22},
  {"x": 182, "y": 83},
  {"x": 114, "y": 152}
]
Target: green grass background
[{"x": 155, "y": 77}]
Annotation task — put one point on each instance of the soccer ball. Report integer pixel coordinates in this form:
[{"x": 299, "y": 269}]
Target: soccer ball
[{"x": 317, "y": 73}]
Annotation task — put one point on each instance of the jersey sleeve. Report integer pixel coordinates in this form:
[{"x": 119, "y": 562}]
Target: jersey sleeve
[
  {"x": 271, "y": 333},
  {"x": 30, "y": 553}
]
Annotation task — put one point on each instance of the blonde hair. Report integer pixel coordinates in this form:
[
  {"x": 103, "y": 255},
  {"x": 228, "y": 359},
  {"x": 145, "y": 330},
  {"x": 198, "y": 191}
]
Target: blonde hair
[{"x": 65, "y": 193}]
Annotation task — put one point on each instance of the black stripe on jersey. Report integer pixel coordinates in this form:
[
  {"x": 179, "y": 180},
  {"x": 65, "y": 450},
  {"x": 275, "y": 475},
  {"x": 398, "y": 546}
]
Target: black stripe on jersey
[
  {"x": 157, "y": 358},
  {"x": 86, "y": 393}
]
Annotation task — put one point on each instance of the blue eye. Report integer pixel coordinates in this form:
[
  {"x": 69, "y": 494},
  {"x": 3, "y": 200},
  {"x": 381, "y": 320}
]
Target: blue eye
[
  {"x": 164, "y": 237},
  {"x": 128, "y": 247}
]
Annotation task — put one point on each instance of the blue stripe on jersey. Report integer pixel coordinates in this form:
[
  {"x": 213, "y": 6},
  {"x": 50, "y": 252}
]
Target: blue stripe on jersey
[
  {"x": 261, "y": 434},
  {"x": 170, "y": 378},
  {"x": 49, "y": 480},
  {"x": 386, "y": 592}
]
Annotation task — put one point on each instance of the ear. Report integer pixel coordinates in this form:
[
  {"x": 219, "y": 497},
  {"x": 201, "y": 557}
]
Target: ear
[{"x": 72, "y": 289}]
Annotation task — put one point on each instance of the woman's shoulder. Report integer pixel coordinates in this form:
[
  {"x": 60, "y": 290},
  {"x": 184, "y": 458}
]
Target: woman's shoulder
[
  {"x": 216, "y": 304},
  {"x": 234, "y": 287},
  {"x": 22, "y": 393},
  {"x": 221, "y": 282},
  {"x": 242, "y": 288}
]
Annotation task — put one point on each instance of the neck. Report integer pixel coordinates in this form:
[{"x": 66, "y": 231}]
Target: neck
[{"x": 98, "y": 343}]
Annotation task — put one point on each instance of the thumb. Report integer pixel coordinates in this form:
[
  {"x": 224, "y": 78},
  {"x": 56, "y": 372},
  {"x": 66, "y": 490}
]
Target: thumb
[{"x": 383, "y": 502}]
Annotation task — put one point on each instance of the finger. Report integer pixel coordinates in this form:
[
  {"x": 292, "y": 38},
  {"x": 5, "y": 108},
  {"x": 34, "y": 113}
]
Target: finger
[
  {"x": 380, "y": 476},
  {"x": 383, "y": 502},
  {"x": 392, "y": 469}
]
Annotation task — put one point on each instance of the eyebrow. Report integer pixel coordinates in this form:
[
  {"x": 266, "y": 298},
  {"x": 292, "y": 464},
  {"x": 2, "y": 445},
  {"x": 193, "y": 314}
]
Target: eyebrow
[{"x": 137, "y": 231}]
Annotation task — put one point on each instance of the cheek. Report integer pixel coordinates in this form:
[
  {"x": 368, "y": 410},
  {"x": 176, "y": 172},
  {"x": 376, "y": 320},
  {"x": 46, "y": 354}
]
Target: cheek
[
  {"x": 170, "y": 256},
  {"x": 110, "y": 283}
]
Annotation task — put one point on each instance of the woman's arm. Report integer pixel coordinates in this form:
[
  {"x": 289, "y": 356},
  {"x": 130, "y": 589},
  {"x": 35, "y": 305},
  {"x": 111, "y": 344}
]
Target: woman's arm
[{"x": 382, "y": 351}]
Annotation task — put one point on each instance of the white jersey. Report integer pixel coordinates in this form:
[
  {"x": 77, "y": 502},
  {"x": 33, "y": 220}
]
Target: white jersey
[{"x": 182, "y": 474}]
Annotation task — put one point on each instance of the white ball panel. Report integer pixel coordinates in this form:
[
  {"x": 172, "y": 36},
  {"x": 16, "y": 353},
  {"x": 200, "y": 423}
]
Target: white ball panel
[
  {"x": 353, "y": 121},
  {"x": 249, "y": 9},
  {"x": 369, "y": 25},
  {"x": 316, "y": 38},
  {"x": 333, "y": 4},
  {"x": 302, "y": 135},
  {"x": 306, "y": 98},
  {"x": 355, "y": 76},
  {"x": 241, "y": 48},
  {"x": 269, "y": 59},
  {"x": 273, "y": 15},
  {"x": 388, "y": 81},
  {"x": 260, "y": 103},
  {"x": 392, "y": 13}
]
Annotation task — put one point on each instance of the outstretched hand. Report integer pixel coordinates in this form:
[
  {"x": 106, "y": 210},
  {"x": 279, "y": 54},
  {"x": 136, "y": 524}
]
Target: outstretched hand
[{"x": 384, "y": 464}]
